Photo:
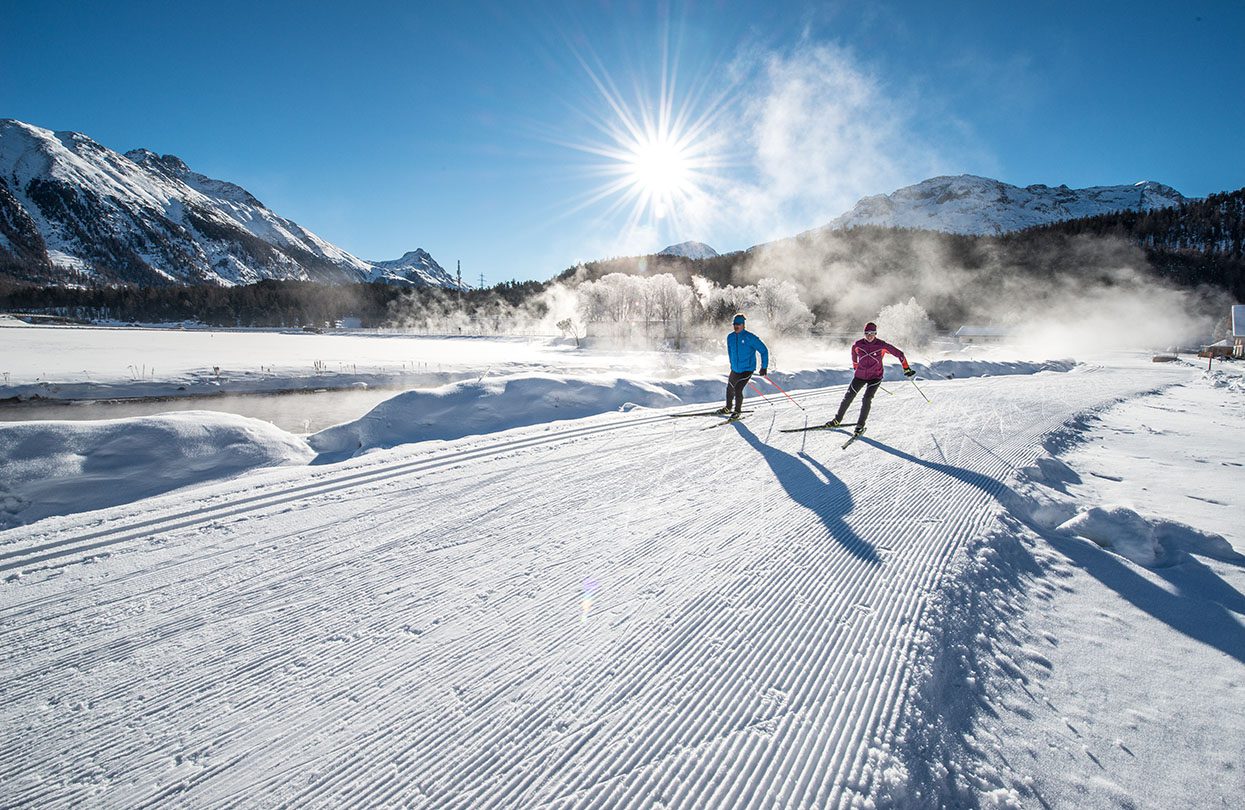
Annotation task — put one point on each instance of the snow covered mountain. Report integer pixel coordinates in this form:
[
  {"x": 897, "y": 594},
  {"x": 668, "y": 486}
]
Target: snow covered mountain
[
  {"x": 978, "y": 205},
  {"x": 690, "y": 250},
  {"x": 416, "y": 268},
  {"x": 71, "y": 209}
]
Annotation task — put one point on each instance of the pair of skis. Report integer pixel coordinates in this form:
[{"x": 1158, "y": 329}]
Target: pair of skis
[
  {"x": 730, "y": 418},
  {"x": 816, "y": 427},
  {"x": 854, "y": 436}
]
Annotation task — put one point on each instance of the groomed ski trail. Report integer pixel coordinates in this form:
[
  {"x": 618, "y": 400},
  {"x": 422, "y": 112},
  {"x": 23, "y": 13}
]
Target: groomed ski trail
[{"x": 411, "y": 628}]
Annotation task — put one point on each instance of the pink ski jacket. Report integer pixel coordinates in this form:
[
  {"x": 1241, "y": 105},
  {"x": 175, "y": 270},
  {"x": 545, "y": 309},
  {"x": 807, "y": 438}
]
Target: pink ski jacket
[{"x": 867, "y": 358}]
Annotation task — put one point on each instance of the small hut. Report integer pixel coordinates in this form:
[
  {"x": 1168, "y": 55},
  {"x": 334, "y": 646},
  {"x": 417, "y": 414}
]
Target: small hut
[{"x": 982, "y": 334}]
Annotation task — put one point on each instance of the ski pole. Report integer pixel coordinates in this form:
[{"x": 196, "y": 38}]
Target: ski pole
[
  {"x": 918, "y": 389},
  {"x": 784, "y": 393},
  {"x": 758, "y": 390}
]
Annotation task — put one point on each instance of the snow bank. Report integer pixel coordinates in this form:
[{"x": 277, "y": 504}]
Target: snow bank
[
  {"x": 1231, "y": 378},
  {"x": 500, "y": 403},
  {"x": 1152, "y": 542},
  {"x": 483, "y": 406},
  {"x": 1120, "y": 529},
  {"x": 60, "y": 468}
]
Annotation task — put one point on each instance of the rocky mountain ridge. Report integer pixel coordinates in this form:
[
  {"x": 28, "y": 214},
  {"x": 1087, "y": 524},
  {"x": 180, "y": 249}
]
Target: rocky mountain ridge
[{"x": 74, "y": 211}]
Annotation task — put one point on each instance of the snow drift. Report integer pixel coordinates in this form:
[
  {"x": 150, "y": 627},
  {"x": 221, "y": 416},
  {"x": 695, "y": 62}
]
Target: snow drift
[
  {"x": 59, "y": 468},
  {"x": 483, "y": 406},
  {"x": 490, "y": 405},
  {"x": 1151, "y": 542}
]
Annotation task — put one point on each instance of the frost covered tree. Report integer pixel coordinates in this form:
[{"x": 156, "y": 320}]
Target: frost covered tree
[
  {"x": 722, "y": 303},
  {"x": 906, "y": 324},
  {"x": 616, "y": 297},
  {"x": 568, "y": 327},
  {"x": 779, "y": 305},
  {"x": 671, "y": 304},
  {"x": 661, "y": 308}
]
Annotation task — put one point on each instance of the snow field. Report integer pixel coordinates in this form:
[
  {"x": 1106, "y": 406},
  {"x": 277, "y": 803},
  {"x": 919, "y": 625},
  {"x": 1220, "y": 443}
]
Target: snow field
[
  {"x": 408, "y": 627},
  {"x": 1118, "y": 689}
]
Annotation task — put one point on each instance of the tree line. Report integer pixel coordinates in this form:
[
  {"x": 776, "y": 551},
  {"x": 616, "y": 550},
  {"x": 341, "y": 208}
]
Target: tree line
[
  {"x": 1197, "y": 242},
  {"x": 269, "y": 303}
]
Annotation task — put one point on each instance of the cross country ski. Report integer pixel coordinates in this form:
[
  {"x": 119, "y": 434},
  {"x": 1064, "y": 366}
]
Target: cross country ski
[
  {"x": 735, "y": 417},
  {"x": 811, "y": 428},
  {"x": 860, "y": 431}
]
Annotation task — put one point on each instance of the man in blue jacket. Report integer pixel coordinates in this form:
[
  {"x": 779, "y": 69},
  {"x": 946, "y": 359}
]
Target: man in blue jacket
[{"x": 742, "y": 347}]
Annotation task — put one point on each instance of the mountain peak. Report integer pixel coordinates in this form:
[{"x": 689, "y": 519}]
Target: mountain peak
[
  {"x": 969, "y": 204},
  {"x": 416, "y": 268},
  {"x": 690, "y": 250},
  {"x": 171, "y": 165}
]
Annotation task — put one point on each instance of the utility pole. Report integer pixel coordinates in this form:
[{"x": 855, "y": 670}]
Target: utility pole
[
  {"x": 481, "y": 281},
  {"x": 460, "y": 281}
]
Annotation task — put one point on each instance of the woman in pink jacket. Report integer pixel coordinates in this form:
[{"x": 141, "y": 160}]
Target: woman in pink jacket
[{"x": 867, "y": 355}]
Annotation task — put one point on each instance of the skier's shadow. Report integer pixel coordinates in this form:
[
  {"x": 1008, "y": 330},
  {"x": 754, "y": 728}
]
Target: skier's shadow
[
  {"x": 1207, "y": 617},
  {"x": 825, "y": 496}
]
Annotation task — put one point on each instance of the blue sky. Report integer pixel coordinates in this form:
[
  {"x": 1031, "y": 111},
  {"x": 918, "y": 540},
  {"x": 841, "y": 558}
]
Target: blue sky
[{"x": 482, "y": 131}]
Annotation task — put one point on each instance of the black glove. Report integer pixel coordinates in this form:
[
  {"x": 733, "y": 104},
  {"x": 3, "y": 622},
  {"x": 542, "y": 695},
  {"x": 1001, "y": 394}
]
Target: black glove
[
  {"x": 764, "y": 371},
  {"x": 907, "y": 372}
]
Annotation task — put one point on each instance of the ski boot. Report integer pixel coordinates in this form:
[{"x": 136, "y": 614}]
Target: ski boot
[{"x": 835, "y": 422}]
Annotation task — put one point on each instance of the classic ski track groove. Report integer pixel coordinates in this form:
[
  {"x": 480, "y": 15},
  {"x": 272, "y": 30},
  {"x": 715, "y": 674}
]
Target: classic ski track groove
[{"x": 748, "y": 646}]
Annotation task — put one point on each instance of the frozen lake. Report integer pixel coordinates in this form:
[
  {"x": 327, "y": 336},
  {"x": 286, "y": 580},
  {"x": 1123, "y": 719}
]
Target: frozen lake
[
  {"x": 298, "y": 381},
  {"x": 305, "y": 382}
]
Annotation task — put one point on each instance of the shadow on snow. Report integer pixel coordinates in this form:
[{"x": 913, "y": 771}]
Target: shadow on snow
[
  {"x": 812, "y": 486},
  {"x": 1202, "y": 607}
]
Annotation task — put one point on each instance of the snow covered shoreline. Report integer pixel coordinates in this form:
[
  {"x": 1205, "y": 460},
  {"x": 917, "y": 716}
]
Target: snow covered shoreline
[
  {"x": 485, "y": 406},
  {"x": 45, "y": 461}
]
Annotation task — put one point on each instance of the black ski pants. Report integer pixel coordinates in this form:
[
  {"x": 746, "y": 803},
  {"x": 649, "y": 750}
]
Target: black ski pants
[
  {"x": 871, "y": 388},
  {"x": 735, "y": 389}
]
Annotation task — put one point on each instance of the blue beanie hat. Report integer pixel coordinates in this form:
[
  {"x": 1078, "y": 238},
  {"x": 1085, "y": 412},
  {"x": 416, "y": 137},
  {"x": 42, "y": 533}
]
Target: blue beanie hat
[{"x": 738, "y": 319}]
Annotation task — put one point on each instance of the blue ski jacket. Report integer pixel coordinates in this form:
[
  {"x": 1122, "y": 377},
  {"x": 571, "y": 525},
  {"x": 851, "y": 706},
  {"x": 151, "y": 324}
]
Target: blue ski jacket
[{"x": 742, "y": 349}]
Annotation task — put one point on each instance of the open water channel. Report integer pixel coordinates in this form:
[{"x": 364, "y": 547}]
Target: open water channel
[{"x": 297, "y": 412}]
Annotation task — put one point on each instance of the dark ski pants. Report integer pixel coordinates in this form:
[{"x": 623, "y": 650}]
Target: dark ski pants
[
  {"x": 735, "y": 389},
  {"x": 871, "y": 388}
]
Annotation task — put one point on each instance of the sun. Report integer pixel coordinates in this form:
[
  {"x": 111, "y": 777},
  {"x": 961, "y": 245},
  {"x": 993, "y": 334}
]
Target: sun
[
  {"x": 661, "y": 171},
  {"x": 657, "y": 156}
]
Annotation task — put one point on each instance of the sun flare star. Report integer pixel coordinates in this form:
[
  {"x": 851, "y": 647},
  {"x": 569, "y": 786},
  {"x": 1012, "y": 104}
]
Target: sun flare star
[{"x": 658, "y": 157}]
